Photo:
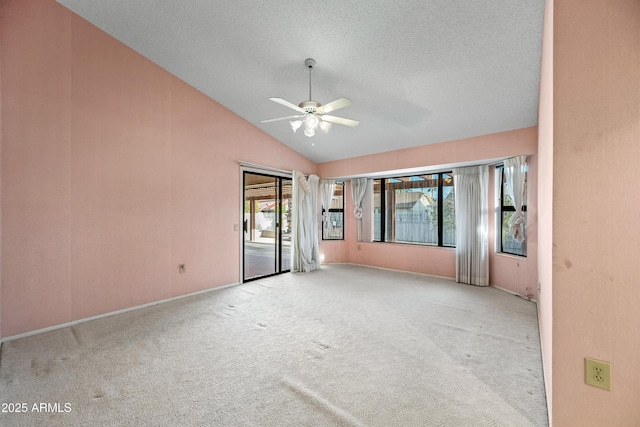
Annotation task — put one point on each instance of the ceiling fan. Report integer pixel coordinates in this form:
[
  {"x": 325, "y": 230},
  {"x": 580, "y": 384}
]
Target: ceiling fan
[{"x": 313, "y": 114}]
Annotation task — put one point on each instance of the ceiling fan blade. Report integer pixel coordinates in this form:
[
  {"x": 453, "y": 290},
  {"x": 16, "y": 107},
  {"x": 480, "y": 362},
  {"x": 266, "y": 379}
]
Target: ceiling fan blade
[
  {"x": 339, "y": 120},
  {"x": 333, "y": 105},
  {"x": 287, "y": 104},
  {"x": 283, "y": 118}
]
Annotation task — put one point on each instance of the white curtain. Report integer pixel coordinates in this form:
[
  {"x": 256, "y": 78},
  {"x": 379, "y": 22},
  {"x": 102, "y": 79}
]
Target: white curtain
[
  {"x": 515, "y": 170},
  {"x": 358, "y": 190},
  {"x": 472, "y": 225},
  {"x": 327, "y": 187},
  {"x": 366, "y": 228},
  {"x": 304, "y": 232}
]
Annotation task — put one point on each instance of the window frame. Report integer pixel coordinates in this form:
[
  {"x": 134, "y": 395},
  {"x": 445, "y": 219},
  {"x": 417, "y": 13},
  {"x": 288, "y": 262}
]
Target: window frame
[
  {"x": 501, "y": 208},
  {"x": 335, "y": 210},
  {"x": 440, "y": 210}
]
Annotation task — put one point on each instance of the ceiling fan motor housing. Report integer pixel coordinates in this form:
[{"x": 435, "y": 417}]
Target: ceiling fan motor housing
[{"x": 309, "y": 107}]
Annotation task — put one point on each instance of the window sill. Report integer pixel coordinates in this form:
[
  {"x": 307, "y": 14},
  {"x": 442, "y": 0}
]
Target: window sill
[
  {"x": 414, "y": 244},
  {"x": 514, "y": 256}
]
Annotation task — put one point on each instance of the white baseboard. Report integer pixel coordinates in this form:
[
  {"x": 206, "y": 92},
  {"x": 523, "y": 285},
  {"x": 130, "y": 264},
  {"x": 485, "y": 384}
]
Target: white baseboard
[
  {"x": 514, "y": 293},
  {"x": 396, "y": 270},
  {"x": 150, "y": 304},
  {"x": 439, "y": 277},
  {"x": 112, "y": 313}
]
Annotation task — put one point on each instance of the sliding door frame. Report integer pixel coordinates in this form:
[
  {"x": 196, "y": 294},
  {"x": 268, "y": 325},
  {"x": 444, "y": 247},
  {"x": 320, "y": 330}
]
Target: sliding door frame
[{"x": 271, "y": 172}]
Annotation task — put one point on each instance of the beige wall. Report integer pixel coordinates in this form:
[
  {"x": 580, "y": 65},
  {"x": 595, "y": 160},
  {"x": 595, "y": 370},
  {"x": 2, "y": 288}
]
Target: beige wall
[
  {"x": 596, "y": 151},
  {"x": 515, "y": 274},
  {"x": 545, "y": 204},
  {"x": 113, "y": 173}
]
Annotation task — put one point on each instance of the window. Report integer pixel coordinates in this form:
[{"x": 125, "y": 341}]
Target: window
[
  {"x": 334, "y": 229},
  {"x": 417, "y": 209},
  {"x": 505, "y": 211}
]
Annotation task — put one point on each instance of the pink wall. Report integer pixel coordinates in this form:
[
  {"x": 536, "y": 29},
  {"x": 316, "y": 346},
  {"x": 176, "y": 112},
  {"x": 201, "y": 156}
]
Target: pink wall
[
  {"x": 36, "y": 107},
  {"x": 113, "y": 173},
  {"x": 516, "y": 274},
  {"x": 596, "y": 149},
  {"x": 545, "y": 204}
]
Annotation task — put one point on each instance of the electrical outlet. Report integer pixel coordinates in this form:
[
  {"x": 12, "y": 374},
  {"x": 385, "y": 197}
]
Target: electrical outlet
[
  {"x": 182, "y": 268},
  {"x": 597, "y": 373}
]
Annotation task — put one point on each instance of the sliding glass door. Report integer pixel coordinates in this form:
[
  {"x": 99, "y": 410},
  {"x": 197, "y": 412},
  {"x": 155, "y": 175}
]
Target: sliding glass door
[{"x": 267, "y": 225}]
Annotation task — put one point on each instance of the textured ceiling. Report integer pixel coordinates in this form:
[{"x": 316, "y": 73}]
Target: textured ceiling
[{"x": 418, "y": 72}]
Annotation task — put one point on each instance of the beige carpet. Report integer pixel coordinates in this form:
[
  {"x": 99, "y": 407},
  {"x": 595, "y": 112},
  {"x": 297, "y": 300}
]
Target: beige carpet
[{"x": 343, "y": 346}]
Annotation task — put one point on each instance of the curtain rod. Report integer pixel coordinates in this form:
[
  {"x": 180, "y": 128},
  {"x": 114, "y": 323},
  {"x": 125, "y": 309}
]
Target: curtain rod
[
  {"x": 425, "y": 169},
  {"x": 262, "y": 167}
]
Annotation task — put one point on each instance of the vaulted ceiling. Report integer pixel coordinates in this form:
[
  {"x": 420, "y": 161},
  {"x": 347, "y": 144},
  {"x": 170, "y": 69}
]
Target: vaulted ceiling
[{"x": 418, "y": 71}]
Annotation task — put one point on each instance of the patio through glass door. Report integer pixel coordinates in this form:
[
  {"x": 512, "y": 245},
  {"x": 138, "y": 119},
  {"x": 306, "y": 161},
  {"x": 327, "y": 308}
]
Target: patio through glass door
[{"x": 266, "y": 226}]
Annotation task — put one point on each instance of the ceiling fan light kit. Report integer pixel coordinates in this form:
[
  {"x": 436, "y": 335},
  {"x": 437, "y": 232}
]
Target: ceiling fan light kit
[{"x": 313, "y": 114}]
